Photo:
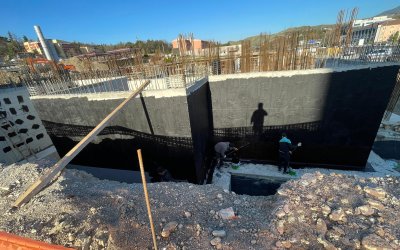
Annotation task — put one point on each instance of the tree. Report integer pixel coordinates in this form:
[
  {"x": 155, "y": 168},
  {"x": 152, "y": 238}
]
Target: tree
[
  {"x": 394, "y": 38},
  {"x": 25, "y": 38}
]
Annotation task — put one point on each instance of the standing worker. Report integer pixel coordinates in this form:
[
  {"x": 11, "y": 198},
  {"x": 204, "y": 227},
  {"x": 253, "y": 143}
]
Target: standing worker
[
  {"x": 285, "y": 150},
  {"x": 221, "y": 148}
]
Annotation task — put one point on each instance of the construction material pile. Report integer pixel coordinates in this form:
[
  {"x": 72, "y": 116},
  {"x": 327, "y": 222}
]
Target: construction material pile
[
  {"x": 315, "y": 212},
  {"x": 81, "y": 211},
  {"x": 338, "y": 212}
]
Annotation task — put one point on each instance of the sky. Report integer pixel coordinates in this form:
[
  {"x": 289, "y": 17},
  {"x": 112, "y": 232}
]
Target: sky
[{"x": 110, "y": 22}]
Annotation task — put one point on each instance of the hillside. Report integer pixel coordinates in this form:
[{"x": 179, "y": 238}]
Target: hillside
[
  {"x": 394, "y": 11},
  {"x": 317, "y": 30}
]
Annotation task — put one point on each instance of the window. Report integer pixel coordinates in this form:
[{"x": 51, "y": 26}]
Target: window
[
  {"x": 12, "y": 134},
  {"x": 20, "y": 99},
  {"x": 30, "y": 117},
  {"x": 6, "y": 149},
  {"x": 25, "y": 108}
]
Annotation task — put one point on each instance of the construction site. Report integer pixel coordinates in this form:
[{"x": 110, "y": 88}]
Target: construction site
[{"x": 117, "y": 150}]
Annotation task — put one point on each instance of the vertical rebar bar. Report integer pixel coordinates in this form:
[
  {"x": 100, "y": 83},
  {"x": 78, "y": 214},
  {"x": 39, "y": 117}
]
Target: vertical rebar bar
[{"x": 146, "y": 195}]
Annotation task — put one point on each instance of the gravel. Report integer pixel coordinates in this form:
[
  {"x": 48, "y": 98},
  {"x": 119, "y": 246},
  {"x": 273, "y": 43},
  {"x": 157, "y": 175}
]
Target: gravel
[
  {"x": 317, "y": 211},
  {"x": 79, "y": 210}
]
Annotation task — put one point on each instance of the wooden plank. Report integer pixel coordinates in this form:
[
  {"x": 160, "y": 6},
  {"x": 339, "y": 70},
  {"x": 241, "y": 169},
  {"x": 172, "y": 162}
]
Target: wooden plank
[{"x": 45, "y": 179}]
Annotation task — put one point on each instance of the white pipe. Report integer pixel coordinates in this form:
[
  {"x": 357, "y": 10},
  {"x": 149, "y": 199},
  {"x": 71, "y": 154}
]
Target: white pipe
[{"x": 43, "y": 42}]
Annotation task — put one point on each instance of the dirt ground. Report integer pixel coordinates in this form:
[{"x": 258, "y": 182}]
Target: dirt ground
[{"x": 315, "y": 212}]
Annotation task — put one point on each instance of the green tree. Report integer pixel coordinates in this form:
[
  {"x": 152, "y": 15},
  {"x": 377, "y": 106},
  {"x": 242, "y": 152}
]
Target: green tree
[
  {"x": 25, "y": 38},
  {"x": 395, "y": 38}
]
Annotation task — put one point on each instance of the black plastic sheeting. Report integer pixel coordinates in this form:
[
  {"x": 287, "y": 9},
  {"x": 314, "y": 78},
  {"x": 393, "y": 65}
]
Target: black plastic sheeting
[
  {"x": 255, "y": 186},
  {"x": 349, "y": 105}
]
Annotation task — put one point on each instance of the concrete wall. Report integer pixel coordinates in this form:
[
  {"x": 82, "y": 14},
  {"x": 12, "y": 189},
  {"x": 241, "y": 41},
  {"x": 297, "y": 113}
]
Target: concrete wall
[
  {"x": 27, "y": 131},
  {"x": 397, "y": 108},
  {"x": 199, "y": 104},
  {"x": 158, "y": 112},
  {"x": 335, "y": 113},
  {"x": 158, "y": 123}
]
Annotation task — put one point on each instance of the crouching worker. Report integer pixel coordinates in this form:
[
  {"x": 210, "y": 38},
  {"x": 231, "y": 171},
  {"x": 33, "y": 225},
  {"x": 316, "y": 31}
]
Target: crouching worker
[
  {"x": 221, "y": 149},
  {"x": 285, "y": 150},
  {"x": 164, "y": 175}
]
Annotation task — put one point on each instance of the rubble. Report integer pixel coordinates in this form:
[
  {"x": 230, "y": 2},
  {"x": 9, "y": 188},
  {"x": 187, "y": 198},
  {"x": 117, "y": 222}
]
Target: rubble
[
  {"x": 317, "y": 211},
  {"x": 219, "y": 233},
  {"x": 358, "y": 215}
]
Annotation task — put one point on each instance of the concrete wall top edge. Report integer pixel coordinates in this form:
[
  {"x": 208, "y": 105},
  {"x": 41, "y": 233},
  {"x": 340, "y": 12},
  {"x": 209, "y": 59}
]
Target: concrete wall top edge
[
  {"x": 118, "y": 95},
  {"x": 13, "y": 89},
  {"x": 290, "y": 73},
  {"x": 197, "y": 85}
]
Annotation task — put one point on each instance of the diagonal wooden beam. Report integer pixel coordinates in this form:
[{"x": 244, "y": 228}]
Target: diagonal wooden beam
[{"x": 45, "y": 179}]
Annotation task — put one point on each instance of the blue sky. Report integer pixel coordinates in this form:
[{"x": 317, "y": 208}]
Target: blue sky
[{"x": 113, "y": 21}]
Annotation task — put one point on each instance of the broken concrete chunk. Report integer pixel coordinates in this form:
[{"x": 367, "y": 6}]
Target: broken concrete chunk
[
  {"x": 376, "y": 204},
  {"x": 338, "y": 215},
  {"x": 227, "y": 213},
  {"x": 321, "y": 226},
  {"x": 169, "y": 228},
  {"x": 280, "y": 227},
  {"x": 378, "y": 193},
  {"x": 327, "y": 245},
  {"x": 219, "y": 233},
  {"x": 326, "y": 210},
  {"x": 374, "y": 242},
  {"x": 365, "y": 210},
  {"x": 215, "y": 241}
]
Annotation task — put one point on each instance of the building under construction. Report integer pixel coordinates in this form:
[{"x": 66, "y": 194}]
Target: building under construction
[{"x": 179, "y": 117}]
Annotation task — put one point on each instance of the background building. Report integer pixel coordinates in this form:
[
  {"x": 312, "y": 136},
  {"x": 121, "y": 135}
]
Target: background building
[
  {"x": 66, "y": 49},
  {"x": 387, "y": 30},
  {"x": 369, "y": 21},
  {"x": 189, "y": 46},
  {"x": 33, "y": 47},
  {"x": 374, "y": 30},
  {"x": 236, "y": 50}
]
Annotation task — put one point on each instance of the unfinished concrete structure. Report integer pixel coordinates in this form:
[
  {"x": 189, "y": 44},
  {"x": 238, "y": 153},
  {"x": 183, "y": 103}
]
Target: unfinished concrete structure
[
  {"x": 22, "y": 134},
  {"x": 158, "y": 121},
  {"x": 334, "y": 112}
]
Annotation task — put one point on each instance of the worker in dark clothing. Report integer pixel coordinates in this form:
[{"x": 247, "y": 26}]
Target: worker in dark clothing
[
  {"x": 164, "y": 175},
  {"x": 221, "y": 149},
  {"x": 160, "y": 174},
  {"x": 285, "y": 150}
]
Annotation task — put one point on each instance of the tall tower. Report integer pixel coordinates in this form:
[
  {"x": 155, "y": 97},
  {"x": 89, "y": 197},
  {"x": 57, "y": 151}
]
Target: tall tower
[{"x": 47, "y": 51}]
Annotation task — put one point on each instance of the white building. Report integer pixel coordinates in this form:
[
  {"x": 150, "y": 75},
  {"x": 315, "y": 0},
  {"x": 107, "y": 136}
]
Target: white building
[
  {"x": 365, "y": 30},
  {"x": 369, "y": 21},
  {"x": 235, "y": 50}
]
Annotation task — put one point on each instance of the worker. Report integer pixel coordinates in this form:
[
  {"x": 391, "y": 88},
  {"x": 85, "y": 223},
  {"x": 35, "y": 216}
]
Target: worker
[
  {"x": 159, "y": 173},
  {"x": 285, "y": 150},
  {"x": 164, "y": 175},
  {"x": 221, "y": 149}
]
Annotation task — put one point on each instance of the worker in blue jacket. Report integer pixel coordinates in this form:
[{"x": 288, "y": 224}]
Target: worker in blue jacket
[{"x": 285, "y": 150}]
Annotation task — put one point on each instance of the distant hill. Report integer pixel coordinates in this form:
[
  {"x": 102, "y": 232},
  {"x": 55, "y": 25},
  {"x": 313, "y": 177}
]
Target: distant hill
[
  {"x": 391, "y": 12},
  {"x": 318, "y": 31}
]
